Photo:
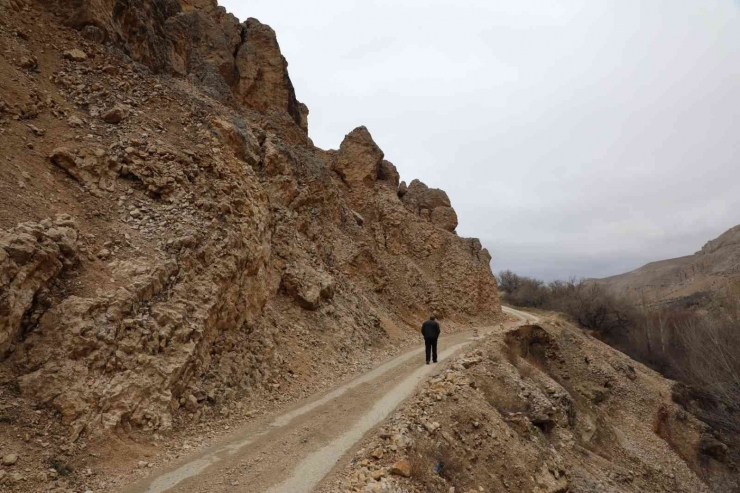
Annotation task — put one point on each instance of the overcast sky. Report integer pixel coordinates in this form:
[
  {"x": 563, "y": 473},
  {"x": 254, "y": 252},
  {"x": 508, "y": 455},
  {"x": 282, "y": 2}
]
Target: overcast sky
[{"x": 575, "y": 138}]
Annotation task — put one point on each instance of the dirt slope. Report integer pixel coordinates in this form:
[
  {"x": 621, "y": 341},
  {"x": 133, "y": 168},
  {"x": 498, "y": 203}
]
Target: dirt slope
[
  {"x": 709, "y": 270},
  {"x": 173, "y": 248},
  {"x": 540, "y": 408}
]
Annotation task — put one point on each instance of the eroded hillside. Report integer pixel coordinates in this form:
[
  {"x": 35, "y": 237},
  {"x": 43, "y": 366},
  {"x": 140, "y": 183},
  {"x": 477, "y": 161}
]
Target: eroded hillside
[
  {"x": 172, "y": 241},
  {"x": 541, "y": 408},
  {"x": 706, "y": 272}
]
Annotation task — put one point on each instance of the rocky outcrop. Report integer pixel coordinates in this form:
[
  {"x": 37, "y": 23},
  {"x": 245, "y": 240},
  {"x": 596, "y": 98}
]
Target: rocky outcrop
[
  {"x": 389, "y": 174},
  {"x": 210, "y": 234},
  {"x": 430, "y": 203},
  {"x": 195, "y": 39},
  {"x": 359, "y": 159},
  {"x": 32, "y": 255},
  {"x": 264, "y": 83}
]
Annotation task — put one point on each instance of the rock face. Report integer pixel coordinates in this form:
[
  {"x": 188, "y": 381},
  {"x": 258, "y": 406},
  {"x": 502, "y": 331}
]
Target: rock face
[
  {"x": 210, "y": 237},
  {"x": 32, "y": 255}
]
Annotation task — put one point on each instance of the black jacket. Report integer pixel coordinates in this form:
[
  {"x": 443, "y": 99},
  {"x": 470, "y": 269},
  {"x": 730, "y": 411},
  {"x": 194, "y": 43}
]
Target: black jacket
[{"x": 430, "y": 329}]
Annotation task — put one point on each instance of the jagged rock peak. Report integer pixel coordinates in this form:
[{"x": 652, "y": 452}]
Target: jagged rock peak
[
  {"x": 359, "y": 158},
  {"x": 264, "y": 83}
]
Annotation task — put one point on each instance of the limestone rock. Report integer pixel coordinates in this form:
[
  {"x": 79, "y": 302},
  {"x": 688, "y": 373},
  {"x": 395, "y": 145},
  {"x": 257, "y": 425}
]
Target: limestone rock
[
  {"x": 215, "y": 230},
  {"x": 75, "y": 122},
  {"x": 402, "y": 190},
  {"x": 75, "y": 55},
  {"x": 358, "y": 160},
  {"x": 191, "y": 403},
  {"x": 196, "y": 38},
  {"x": 445, "y": 218},
  {"x": 240, "y": 138},
  {"x": 89, "y": 166},
  {"x": 402, "y": 468},
  {"x": 114, "y": 115},
  {"x": 431, "y": 203}
]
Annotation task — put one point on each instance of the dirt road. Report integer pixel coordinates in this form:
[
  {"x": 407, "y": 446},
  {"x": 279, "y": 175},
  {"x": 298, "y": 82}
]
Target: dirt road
[{"x": 295, "y": 451}]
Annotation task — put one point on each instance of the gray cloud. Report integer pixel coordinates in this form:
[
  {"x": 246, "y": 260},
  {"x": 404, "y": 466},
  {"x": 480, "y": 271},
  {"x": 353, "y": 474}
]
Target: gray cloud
[{"x": 574, "y": 137}]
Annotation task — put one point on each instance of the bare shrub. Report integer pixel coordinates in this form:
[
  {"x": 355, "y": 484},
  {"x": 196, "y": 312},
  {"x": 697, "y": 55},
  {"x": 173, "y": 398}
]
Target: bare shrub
[{"x": 710, "y": 360}]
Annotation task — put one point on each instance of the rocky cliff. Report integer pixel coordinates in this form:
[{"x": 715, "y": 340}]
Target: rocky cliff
[
  {"x": 708, "y": 271},
  {"x": 170, "y": 236}
]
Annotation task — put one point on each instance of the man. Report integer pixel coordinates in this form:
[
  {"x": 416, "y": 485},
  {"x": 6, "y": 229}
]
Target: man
[{"x": 430, "y": 330}]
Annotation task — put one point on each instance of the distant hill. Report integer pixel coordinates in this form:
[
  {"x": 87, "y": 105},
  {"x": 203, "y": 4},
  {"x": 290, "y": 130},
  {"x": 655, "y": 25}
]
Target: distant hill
[{"x": 667, "y": 281}]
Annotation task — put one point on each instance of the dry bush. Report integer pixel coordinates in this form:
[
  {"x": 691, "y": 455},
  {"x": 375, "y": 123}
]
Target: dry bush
[{"x": 710, "y": 360}]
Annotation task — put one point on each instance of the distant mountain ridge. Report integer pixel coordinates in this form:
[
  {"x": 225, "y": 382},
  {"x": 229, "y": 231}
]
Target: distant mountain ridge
[{"x": 666, "y": 281}]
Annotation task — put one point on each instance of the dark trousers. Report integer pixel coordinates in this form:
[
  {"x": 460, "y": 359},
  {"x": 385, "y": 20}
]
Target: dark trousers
[{"x": 430, "y": 344}]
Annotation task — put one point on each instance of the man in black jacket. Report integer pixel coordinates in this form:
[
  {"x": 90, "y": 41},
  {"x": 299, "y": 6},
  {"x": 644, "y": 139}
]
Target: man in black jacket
[{"x": 430, "y": 330}]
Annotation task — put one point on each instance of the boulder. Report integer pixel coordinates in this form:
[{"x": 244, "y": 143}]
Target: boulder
[
  {"x": 114, "y": 115},
  {"x": 445, "y": 218},
  {"x": 10, "y": 459},
  {"x": 402, "y": 468},
  {"x": 75, "y": 122},
  {"x": 89, "y": 166},
  {"x": 402, "y": 189},
  {"x": 430, "y": 203}
]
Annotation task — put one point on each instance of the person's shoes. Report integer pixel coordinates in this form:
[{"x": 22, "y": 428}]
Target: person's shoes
[
  {"x": 433, "y": 361},
  {"x": 427, "y": 362}
]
